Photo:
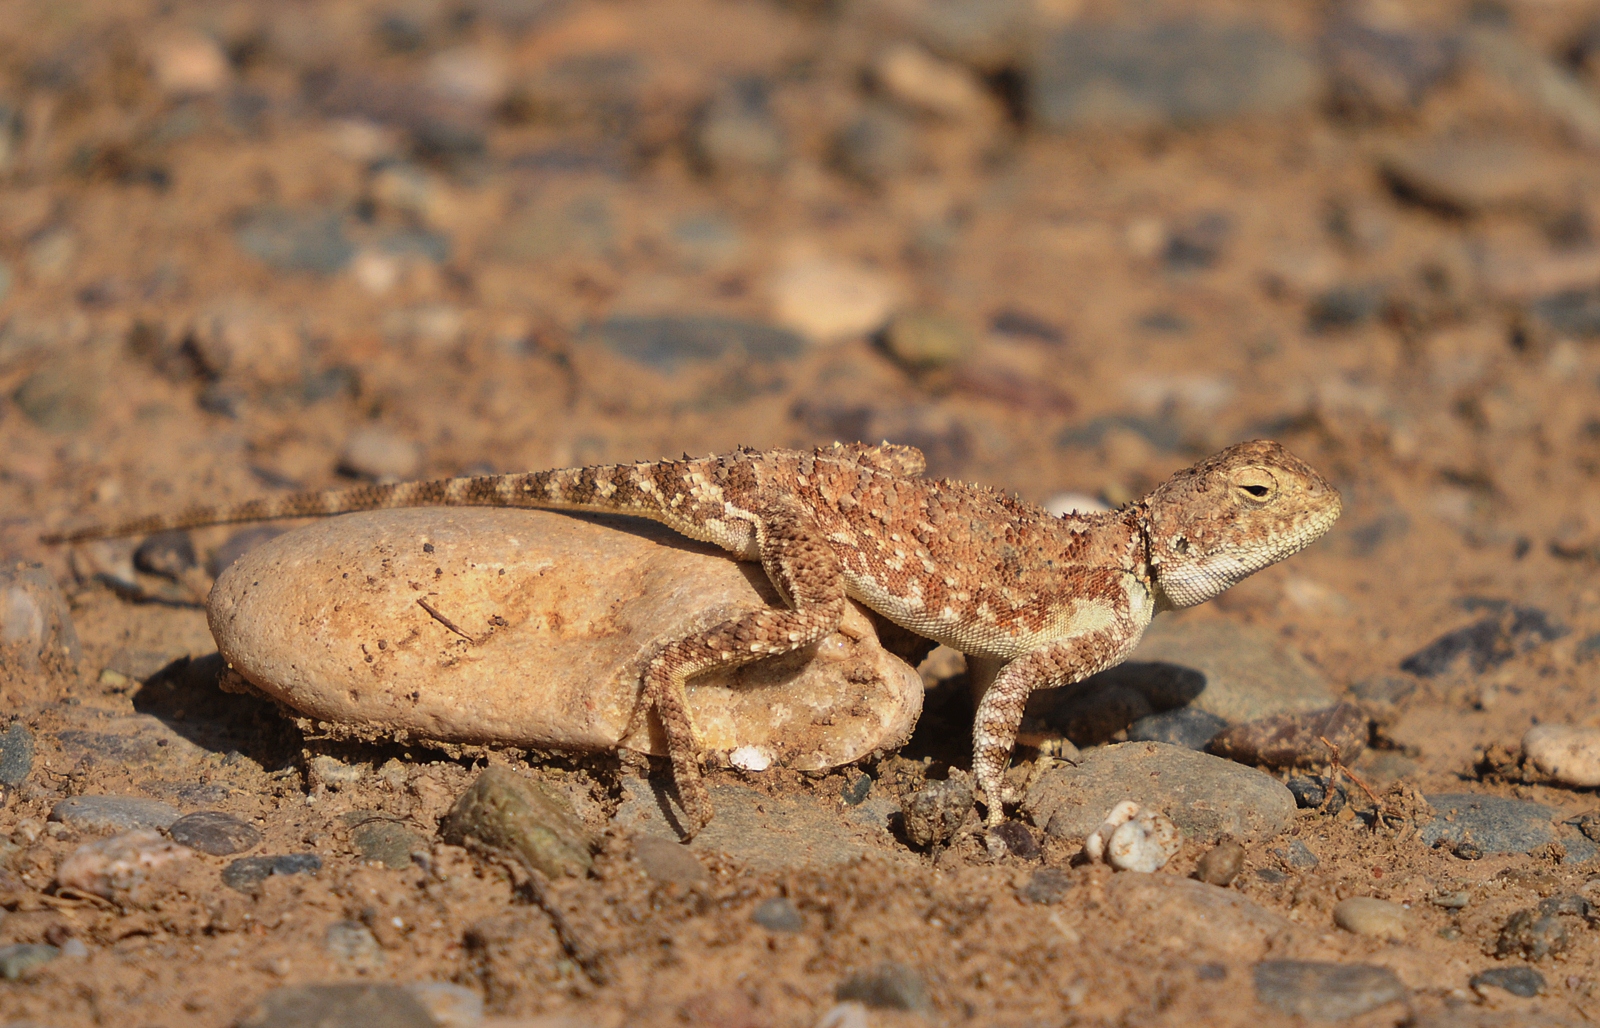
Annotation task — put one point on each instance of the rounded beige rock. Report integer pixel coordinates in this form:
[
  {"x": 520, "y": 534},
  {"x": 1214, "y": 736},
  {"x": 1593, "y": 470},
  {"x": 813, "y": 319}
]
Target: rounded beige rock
[
  {"x": 532, "y": 629},
  {"x": 1376, "y": 918},
  {"x": 1569, "y": 754}
]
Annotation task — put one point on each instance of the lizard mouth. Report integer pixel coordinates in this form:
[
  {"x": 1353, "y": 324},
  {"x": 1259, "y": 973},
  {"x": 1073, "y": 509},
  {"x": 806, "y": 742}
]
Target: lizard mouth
[{"x": 1196, "y": 579}]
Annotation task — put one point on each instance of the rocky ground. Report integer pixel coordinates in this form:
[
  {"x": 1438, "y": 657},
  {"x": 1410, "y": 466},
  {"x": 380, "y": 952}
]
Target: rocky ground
[{"x": 1063, "y": 246}]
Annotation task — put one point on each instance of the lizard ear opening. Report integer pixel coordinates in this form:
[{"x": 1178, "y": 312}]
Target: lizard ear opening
[{"x": 1255, "y": 485}]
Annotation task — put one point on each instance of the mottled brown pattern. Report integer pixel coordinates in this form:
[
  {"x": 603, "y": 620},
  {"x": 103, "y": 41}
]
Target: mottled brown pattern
[{"x": 1046, "y": 601}]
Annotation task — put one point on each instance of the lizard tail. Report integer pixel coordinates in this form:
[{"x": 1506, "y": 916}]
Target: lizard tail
[{"x": 622, "y": 488}]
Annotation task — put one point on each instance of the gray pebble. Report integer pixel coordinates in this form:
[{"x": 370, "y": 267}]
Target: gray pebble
[
  {"x": 1234, "y": 671},
  {"x": 879, "y": 145},
  {"x": 1325, "y": 992},
  {"x": 16, "y": 754},
  {"x": 1311, "y": 792},
  {"x": 737, "y": 133},
  {"x": 1221, "y": 864},
  {"x": 889, "y": 986},
  {"x": 1455, "y": 900},
  {"x": 19, "y": 958},
  {"x": 1490, "y": 824},
  {"x": 668, "y": 343},
  {"x": 1532, "y": 934},
  {"x": 1046, "y": 885},
  {"x": 383, "y": 840},
  {"x": 1017, "y": 839},
  {"x": 1181, "y": 72},
  {"x": 1519, "y": 981},
  {"x": 926, "y": 340},
  {"x": 168, "y": 554},
  {"x": 936, "y": 811},
  {"x": 347, "y": 1005},
  {"x": 36, "y": 630},
  {"x": 1381, "y": 71},
  {"x": 1206, "y": 796},
  {"x": 59, "y": 398},
  {"x": 505, "y": 811},
  {"x": 779, "y": 914},
  {"x": 353, "y": 943},
  {"x": 1486, "y": 643},
  {"x": 311, "y": 240},
  {"x": 1297, "y": 855},
  {"x": 113, "y": 813},
  {"x": 246, "y": 873},
  {"x": 1188, "y": 727},
  {"x": 1289, "y": 740},
  {"x": 213, "y": 832},
  {"x": 670, "y": 862}
]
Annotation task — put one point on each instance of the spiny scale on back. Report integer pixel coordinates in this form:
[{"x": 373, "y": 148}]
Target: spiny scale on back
[{"x": 1041, "y": 601}]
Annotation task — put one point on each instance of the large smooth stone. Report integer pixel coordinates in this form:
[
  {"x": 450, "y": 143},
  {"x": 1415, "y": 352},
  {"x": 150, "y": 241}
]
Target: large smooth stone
[{"x": 551, "y": 621}]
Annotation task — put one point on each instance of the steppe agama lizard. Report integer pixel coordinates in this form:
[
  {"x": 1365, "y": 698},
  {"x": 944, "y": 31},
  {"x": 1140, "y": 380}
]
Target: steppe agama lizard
[{"x": 1043, "y": 601}]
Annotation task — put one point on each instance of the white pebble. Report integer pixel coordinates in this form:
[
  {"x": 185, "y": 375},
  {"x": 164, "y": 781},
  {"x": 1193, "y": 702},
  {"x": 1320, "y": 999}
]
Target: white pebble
[
  {"x": 1567, "y": 753},
  {"x": 750, "y": 758},
  {"x": 1132, "y": 839},
  {"x": 832, "y": 301}
]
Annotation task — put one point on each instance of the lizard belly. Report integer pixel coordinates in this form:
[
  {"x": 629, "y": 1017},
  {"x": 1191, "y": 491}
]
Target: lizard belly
[{"x": 1125, "y": 614}]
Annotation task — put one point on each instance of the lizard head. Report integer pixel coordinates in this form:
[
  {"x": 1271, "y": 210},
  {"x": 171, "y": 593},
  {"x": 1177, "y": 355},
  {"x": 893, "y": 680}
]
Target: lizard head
[{"x": 1231, "y": 515}]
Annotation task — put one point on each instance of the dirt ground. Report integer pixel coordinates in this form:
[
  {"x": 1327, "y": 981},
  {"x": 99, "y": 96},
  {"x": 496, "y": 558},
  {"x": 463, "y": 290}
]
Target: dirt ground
[{"x": 246, "y": 247}]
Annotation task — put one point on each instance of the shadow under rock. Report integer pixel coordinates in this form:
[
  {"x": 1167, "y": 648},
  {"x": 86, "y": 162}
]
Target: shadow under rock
[{"x": 185, "y": 697}]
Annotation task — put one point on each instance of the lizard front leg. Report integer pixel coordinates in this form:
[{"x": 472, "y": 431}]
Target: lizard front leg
[
  {"x": 803, "y": 568},
  {"x": 999, "y": 715}
]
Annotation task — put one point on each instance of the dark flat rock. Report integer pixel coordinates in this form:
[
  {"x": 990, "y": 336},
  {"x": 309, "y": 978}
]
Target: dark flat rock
[
  {"x": 1325, "y": 992},
  {"x": 214, "y": 832}
]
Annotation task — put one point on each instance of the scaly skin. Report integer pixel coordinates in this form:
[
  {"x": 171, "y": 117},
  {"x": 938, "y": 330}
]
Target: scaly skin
[{"x": 1039, "y": 601}]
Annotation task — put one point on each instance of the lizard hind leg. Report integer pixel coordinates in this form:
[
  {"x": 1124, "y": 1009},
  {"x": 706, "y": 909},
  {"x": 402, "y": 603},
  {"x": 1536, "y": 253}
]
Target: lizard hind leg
[{"x": 806, "y": 573}]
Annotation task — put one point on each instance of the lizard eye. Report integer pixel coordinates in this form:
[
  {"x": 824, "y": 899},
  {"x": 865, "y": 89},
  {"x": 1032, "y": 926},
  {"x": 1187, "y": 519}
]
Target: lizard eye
[{"x": 1256, "y": 484}]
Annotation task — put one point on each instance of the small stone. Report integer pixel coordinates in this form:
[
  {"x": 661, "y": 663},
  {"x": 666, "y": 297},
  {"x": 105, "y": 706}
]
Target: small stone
[
  {"x": 168, "y": 554},
  {"x": 1454, "y": 900},
  {"x": 1289, "y": 740},
  {"x": 1519, "y": 981},
  {"x": 1017, "y": 840},
  {"x": 113, "y": 813},
  {"x": 1221, "y": 864},
  {"x": 36, "y": 628},
  {"x": 1325, "y": 992},
  {"x": 377, "y": 454},
  {"x": 878, "y": 146},
  {"x": 1133, "y": 839},
  {"x": 855, "y": 793},
  {"x": 889, "y": 986},
  {"x": 241, "y": 339},
  {"x": 383, "y": 840},
  {"x": 1207, "y": 797},
  {"x": 353, "y": 943},
  {"x": 584, "y": 227},
  {"x": 450, "y": 1005},
  {"x": 829, "y": 301},
  {"x": 737, "y": 133},
  {"x": 1533, "y": 935},
  {"x": 1181, "y": 71},
  {"x": 16, "y": 754},
  {"x": 118, "y": 865},
  {"x": 1486, "y": 643},
  {"x": 925, "y": 340},
  {"x": 1375, "y": 918},
  {"x": 1188, "y": 727},
  {"x": 1569, "y": 754},
  {"x": 468, "y": 75},
  {"x": 670, "y": 862},
  {"x": 308, "y": 240},
  {"x": 188, "y": 64},
  {"x": 1345, "y": 306},
  {"x": 213, "y": 832},
  {"x": 1199, "y": 920},
  {"x": 505, "y": 811},
  {"x": 934, "y": 813},
  {"x": 346, "y": 1005},
  {"x": 247, "y": 873},
  {"x": 1471, "y": 176},
  {"x": 1297, "y": 855},
  {"x": 669, "y": 343},
  {"x": 1236, "y": 672},
  {"x": 50, "y": 254},
  {"x": 1548, "y": 87},
  {"x": 1379, "y": 71},
  {"x": 910, "y": 75},
  {"x": 238, "y": 544},
  {"x": 1046, "y": 885},
  {"x": 17, "y": 959},
  {"x": 779, "y": 915},
  {"x": 59, "y": 399},
  {"x": 1488, "y": 824}
]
